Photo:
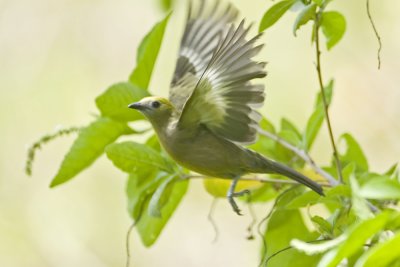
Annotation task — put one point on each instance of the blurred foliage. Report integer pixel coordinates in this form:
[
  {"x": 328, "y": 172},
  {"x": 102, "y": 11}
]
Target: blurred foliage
[
  {"x": 363, "y": 225},
  {"x": 166, "y": 4}
]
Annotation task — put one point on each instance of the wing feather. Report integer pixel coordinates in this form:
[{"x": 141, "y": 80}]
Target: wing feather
[
  {"x": 212, "y": 83},
  {"x": 205, "y": 24},
  {"x": 225, "y": 99}
]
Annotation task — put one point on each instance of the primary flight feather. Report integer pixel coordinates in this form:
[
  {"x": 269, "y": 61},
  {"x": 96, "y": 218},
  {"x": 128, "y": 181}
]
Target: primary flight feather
[{"x": 211, "y": 112}]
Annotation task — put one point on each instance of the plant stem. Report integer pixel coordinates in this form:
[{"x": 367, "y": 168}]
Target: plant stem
[
  {"x": 326, "y": 106},
  {"x": 300, "y": 153},
  {"x": 127, "y": 244}
]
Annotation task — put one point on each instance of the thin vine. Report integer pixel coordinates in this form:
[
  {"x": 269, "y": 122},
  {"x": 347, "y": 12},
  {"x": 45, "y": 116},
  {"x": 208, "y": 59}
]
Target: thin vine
[
  {"x": 210, "y": 218},
  {"x": 378, "y": 37}
]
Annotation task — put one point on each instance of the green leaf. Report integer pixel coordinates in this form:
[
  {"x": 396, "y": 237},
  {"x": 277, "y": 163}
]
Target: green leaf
[
  {"x": 360, "y": 206},
  {"x": 341, "y": 190},
  {"x": 357, "y": 237},
  {"x": 161, "y": 195},
  {"x": 263, "y": 194},
  {"x": 290, "y": 137},
  {"x": 318, "y": 2},
  {"x": 274, "y": 13},
  {"x": 283, "y": 226},
  {"x": 287, "y": 196},
  {"x": 147, "y": 55},
  {"x": 333, "y": 26},
  {"x": 150, "y": 227},
  {"x": 153, "y": 142},
  {"x": 353, "y": 153},
  {"x": 265, "y": 145},
  {"x": 141, "y": 185},
  {"x": 305, "y": 15},
  {"x": 384, "y": 254},
  {"x": 114, "y": 102},
  {"x": 130, "y": 156},
  {"x": 314, "y": 123},
  {"x": 144, "y": 186},
  {"x": 323, "y": 225},
  {"x": 88, "y": 146},
  {"x": 394, "y": 222},
  {"x": 286, "y": 125},
  {"x": 328, "y": 91},
  {"x": 166, "y": 4},
  {"x": 341, "y": 218},
  {"x": 304, "y": 200},
  {"x": 380, "y": 187},
  {"x": 347, "y": 171},
  {"x": 290, "y": 134},
  {"x": 393, "y": 171},
  {"x": 267, "y": 125},
  {"x": 351, "y": 261}
]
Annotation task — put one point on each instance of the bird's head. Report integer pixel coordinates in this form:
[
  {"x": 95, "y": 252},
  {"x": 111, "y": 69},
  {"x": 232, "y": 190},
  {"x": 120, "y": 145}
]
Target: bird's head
[{"x": 156, "y": 109}]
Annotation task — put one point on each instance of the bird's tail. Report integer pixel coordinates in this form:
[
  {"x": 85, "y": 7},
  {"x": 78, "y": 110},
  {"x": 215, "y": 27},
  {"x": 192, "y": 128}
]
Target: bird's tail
[
  {"x": 290, "y": 173},
  {"x": 269, "y": 166}
]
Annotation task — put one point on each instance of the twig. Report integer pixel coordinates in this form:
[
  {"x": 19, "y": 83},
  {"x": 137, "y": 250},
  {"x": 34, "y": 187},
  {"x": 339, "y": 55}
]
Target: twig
[
  {"x": 249, "y": 178},
  {"x": 326, "y": 106},
  {"x": 376, "y": 34},
  {"x": 300, "y": 153}
]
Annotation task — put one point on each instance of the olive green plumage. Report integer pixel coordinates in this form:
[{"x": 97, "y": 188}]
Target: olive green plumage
[{"x": 211, "y": 108}]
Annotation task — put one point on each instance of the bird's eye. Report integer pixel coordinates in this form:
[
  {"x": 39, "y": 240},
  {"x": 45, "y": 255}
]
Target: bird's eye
[{"x": 155, "y": 104}]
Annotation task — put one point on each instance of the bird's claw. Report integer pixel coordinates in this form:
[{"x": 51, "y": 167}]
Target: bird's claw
[
  {"x": 233, "y": 202},
  {"x": 231, "y": 194},
  {"x": 235, "y": 207}
]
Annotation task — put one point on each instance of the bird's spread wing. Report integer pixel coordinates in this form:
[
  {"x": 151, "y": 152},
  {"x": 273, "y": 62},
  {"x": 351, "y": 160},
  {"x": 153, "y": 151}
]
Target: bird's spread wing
[
  {"x": 223, "y": 98},
  {"x": 205, "y": 24}
]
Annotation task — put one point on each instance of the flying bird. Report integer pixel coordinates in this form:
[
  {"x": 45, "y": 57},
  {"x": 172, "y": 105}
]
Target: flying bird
[{"x": 210, "y": 113}]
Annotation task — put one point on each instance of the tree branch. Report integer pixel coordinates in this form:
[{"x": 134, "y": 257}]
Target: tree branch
[
  {"x": 249, "y": 178},
  {"x": 326, "y": 106},
  {"x": 301, "y": 154}
]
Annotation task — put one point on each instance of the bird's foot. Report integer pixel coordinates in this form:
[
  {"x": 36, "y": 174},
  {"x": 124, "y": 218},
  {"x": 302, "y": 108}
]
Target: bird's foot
[
  {"x": 235, "y": 207},
  {"x": 232, "y": 195}
]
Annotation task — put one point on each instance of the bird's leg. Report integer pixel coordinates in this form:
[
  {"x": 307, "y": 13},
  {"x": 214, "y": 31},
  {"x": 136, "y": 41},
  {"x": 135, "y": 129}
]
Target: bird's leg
[{"x": 231, "y": 194}]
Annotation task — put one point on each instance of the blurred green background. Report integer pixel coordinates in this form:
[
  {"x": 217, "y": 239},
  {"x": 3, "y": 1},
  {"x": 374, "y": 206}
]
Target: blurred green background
[{"x": 56, "y": 56}]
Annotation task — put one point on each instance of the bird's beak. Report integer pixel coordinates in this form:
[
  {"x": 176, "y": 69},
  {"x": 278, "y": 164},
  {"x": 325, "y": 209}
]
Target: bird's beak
[{"x": 136, "y": 105}]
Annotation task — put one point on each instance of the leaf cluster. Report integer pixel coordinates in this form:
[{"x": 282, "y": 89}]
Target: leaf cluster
[
  {"x": 362, "y": 222},
  {"x": 154, "y": 185},
  {"x": 332, "y": 23},
  {"x": 361, "y": 227}
]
